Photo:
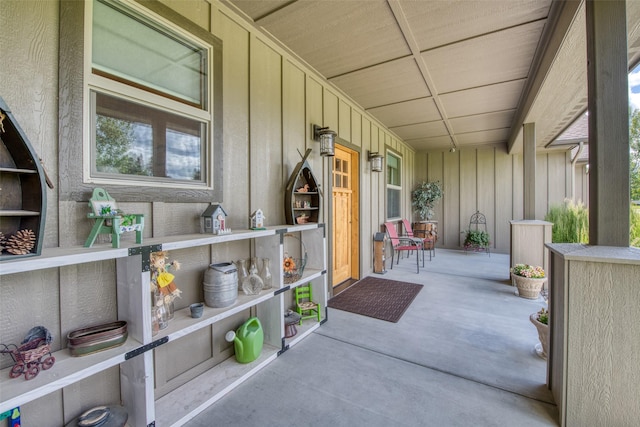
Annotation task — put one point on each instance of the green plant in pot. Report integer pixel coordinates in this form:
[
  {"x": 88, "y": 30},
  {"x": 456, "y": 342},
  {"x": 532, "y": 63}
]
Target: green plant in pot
[
  {"x": 476, "y": 239},
  {"x": 541, "y": 321},
  {"x": 424, "y": 198},
  {"x": 528, "y": 279}
]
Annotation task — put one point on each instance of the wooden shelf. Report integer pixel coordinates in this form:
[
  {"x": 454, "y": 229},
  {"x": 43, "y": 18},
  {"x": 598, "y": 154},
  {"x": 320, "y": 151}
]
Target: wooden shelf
[
  {"x": 59, "y": 257},
  {"x": 304, "y": 330},
  {"x": 137, "y": 372},
  {"x": 183, "y": 324},
  {"x": 24, "y": 198},
  {"x": 66, "y": 370},
  {"x": 300, "y": 177},
  {"x": 4, "y": 212},
  {"x": 17, "y": 170},
  {"x": 190, "y": 399}
]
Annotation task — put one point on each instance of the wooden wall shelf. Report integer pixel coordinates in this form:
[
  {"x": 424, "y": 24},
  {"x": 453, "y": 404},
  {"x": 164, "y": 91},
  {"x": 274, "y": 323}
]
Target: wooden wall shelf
[
  {"x": 302, "y": 207},
  {"x": 23, "y": 202}
]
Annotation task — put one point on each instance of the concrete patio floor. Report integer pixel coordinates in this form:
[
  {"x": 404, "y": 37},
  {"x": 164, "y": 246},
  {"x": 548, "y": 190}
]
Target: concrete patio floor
[{"x": 462, "y": 355}]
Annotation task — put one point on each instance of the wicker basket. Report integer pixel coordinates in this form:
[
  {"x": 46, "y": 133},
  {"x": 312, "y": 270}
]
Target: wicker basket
[{"x": 292, "y": 268}]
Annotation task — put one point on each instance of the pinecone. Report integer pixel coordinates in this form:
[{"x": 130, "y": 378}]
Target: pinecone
[
  {"x": 21, "y": 243},
  {"x": 3, "y": 241}
]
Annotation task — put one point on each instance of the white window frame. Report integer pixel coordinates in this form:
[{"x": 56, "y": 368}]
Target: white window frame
[
  {"x": 392, "y": 186},
  {"x": 97, "y": 83}
]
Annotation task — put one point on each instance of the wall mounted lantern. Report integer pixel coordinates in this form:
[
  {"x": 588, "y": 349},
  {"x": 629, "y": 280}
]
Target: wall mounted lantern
[
  {"x": 376, "y": 161},
  {"x": 327, "y": 139}
]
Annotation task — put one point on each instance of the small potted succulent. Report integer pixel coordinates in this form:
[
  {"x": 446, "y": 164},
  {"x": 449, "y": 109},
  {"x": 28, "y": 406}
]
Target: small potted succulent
[
  {"x": 541, "y": 321},
  {"x": 528, "y": 279}
]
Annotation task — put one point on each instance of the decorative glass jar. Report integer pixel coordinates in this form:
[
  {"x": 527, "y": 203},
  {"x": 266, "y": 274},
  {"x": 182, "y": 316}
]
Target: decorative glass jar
[
  {"x": 241, "y": 265},
  {"x": 265, "y": 274},
  {"x": 161, "y": 312},
  {"x": 252, "y": 284}
]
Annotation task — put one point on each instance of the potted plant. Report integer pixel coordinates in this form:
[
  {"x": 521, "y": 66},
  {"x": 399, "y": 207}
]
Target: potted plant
[
  {"x": 476, "y": 239},
  {"x": 424, "y": 198},
  {"x": 528, "y": 279},
  {"x": 541, "y": 321}
]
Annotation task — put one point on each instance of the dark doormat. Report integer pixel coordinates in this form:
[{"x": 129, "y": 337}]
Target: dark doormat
[{"x": 378, "y": 298}]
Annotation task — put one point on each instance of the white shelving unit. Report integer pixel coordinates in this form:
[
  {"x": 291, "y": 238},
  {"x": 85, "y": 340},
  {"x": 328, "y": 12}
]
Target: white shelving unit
[{"x": 135, "y": 357}]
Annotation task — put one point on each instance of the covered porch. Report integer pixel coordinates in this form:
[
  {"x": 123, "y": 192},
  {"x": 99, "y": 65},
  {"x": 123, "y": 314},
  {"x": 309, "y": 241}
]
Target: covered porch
[{"x": 462, "y": 354}]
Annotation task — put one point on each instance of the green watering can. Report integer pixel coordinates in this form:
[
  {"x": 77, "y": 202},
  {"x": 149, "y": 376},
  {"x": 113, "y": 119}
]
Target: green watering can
[{"x": 247, "y": 340}]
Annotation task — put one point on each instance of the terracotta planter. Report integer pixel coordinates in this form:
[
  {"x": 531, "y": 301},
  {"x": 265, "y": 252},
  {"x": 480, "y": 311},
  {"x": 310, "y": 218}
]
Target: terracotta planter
[
  {"x": 543, "y": 335},
  {"x": 527, "y": 287}
]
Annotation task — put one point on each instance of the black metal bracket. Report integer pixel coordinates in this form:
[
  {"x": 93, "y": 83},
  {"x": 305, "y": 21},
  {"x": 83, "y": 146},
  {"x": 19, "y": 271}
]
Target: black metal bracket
[
  {"x": 281, "y": 290},
  {"x": 145, "y": 251},
  {"x": 285, "y": 347},
  {"x": 138, "y": 351}
]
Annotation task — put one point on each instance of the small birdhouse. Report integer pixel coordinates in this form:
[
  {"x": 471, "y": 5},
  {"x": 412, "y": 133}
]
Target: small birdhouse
[
  {"x": 213, "y": 220},
  {"x": 257, "y": 220}
]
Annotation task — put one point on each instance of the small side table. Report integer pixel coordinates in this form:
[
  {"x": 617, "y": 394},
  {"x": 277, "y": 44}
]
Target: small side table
[{"x": 290, "y": 320}]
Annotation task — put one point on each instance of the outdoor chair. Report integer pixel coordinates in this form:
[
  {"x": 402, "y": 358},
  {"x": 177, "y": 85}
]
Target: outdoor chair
[
  {"x": 403, "y": 243},
  {"x": 305, "y": 306},
  {"x": 427, "y": 236}
]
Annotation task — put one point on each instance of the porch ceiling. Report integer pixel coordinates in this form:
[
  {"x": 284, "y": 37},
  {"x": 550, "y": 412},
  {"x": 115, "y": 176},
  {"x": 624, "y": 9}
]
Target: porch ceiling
[{"x": 447, "y": 73}]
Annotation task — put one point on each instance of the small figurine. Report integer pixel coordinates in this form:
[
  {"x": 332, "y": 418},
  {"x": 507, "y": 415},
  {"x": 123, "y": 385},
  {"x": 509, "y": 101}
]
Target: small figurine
[
  {"x": 160, "y": 276},
  {"x": 213, "y": 220},
  {"x": 303, "y": 189},
  {"x": 257, "y": 220}
]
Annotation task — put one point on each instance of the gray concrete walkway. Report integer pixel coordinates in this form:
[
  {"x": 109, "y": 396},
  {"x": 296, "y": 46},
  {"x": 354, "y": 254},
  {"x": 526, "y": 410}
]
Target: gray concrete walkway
[{"x": 462, "y": 355}]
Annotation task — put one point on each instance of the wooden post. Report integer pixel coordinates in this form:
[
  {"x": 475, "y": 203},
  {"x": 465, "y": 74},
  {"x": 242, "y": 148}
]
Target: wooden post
[
  {"x": 607, "y": 76},
  {"x": 529, "y": 170}
]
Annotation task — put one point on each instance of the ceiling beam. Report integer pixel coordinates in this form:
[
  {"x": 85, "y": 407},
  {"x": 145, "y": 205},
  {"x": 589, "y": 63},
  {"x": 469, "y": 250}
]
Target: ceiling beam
[
  {"x": 401, "y": 19},
  {"x": 560, "y": 18}
]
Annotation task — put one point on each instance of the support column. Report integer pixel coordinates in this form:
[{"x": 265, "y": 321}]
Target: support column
[
  {"x": 529, "y": 170},
  {"x": 607, "y": 76}
]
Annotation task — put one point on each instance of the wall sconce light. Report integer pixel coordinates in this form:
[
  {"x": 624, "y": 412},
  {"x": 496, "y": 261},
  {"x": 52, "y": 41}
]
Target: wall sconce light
[
  {"x": 376, "y": 161},
  {"x": 327, "y": 139}
]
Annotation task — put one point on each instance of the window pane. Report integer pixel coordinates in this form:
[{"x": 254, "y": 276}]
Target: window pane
[
  {"x": 133, "y": 139},
  {"x": 393, "y": 170},
  {"x": 338, "y": 167},
  {"x": 183, "y": 155},
  {"x": 345, "y": 181},
  {"x": 131, "y": 48},
  {"x": 393, "y": 203}
]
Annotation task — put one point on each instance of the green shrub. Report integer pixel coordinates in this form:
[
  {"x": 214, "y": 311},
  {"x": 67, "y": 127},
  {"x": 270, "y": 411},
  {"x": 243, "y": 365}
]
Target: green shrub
[
  {"x": 634, "y": 229},
  {"x": 476, "y": 238},
  {"x": 570, "y": 222}
]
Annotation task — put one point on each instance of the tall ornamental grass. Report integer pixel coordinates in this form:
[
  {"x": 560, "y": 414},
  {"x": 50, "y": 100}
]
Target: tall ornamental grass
[
  {"x": 570, "y": 222},
  {"x": 634, "y": 231}
]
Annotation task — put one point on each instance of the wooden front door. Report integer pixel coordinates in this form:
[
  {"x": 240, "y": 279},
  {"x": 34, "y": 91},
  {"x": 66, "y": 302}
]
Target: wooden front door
[{"x": 345, "y": 228}]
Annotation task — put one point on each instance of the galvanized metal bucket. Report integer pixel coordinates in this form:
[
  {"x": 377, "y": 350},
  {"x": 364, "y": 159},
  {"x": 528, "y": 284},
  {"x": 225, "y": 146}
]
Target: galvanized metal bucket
[{"x": 221, "y": 285}]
